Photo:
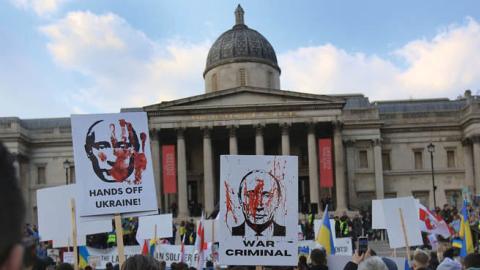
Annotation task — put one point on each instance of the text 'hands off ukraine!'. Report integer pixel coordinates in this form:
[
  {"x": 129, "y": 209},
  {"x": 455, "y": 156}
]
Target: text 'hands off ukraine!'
[{"x": 113, "y": 192}]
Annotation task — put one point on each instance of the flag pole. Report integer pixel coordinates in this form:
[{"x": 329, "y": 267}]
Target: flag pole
[
  {"x": 120, "y": 246},
  {"x": 74, "y": 233},
  {"x": 404, "y": 229}
]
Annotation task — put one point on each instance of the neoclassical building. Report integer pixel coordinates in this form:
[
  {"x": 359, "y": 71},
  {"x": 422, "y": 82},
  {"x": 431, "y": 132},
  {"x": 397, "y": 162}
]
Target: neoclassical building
[{"x": 378, "y": 149}]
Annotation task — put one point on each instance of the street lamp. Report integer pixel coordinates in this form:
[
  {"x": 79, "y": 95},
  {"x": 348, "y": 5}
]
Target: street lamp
[
  {"x": 431, "y": 149},
  {"x": 66, "y": 166}
]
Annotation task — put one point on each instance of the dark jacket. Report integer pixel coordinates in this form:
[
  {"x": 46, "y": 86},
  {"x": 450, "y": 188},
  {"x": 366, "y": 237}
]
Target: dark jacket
[
  {"x": 351, "y": 266},
  {"x": 318, "y": 267},
  {"x": 278, "y": 230}
]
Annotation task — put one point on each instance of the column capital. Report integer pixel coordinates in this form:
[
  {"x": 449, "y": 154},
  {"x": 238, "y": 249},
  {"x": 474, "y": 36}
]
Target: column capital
[
  {"x": 475, "y": 138},
  {"x": 259, "y": 129},
  {"x": 377, "y": 142},
  {"x": 311, "y": 127},
  {"x": 285, "y": 128},
  {"x": 337, "y": 125},
  {"x": 180, "y": 132},
  {"x": 467, "y": 141},
  {"x": 154, "y": 134},
  {"x": 232, "y": 130},
  {"x": 206, "y": 131},
  {"x": 349, "y": 142}
]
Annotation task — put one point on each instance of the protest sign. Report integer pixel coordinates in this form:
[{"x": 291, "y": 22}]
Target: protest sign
[
  {"x": 148, "y": 224},
  {"x": 343, "y": 246},
  {"x": 258, "y": 210},
  {"x": 113, "y": 163},
  {"x": 317, "y": 223},
  {"x": 393, "y": 222},
  {"x": 378, "y": 219},
  {"x": 210, "y": 229},
  {"x": 54, "y": 217},
  {"x": 167, "y": 253}
]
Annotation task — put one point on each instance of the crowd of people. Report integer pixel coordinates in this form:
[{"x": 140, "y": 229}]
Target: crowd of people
[{"x": 20, "y": 247}]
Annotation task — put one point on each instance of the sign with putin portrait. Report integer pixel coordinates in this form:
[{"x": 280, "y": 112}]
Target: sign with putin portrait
[
  {"x": 113, "y": 163},
  {"x": 258, "y": 219}
]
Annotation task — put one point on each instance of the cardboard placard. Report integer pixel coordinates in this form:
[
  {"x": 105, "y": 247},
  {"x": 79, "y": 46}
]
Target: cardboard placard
[
  {"x": 258, "y": 210},
  {"x": 113, "y": 163},
  {"x": 147, "y": 225}
]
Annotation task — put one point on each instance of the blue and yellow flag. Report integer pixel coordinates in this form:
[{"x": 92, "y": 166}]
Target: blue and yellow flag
[
  {"x": 325, "y": 236},
  {"x": 153, "y": 245},
  {"x": 465, "y": 233},
  {"x": 83, "y": 256}
]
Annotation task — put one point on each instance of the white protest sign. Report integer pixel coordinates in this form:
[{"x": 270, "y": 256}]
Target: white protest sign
[
  {"x": 378, "y": 219},
  {"x": 394, "y": 226},
  {"x": 55, "y": 217},
  {"x": 258, "y": 210},
  {"x": 147, "y": 225},
  {"x": 343, "y": 246},
  {"x": 317, "y": 224},
  {"x": 167, "y": 253},
  {"x": 113, "y": 163},
  {"x": 210, "y": 229}
]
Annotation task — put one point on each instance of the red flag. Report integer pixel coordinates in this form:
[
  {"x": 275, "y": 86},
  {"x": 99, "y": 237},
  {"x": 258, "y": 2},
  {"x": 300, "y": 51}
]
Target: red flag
[
  {"x": 200, "y": 244},
  {"x": 145, "y": 248}
]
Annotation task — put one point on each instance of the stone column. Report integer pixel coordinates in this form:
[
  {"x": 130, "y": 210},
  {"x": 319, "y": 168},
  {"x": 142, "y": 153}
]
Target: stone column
[
  {"x": 233, "y": 141},
  {"x": 339, "y": 168},
  {"x": 285, "y": 140},
  {"x": 182, "y": 175},
  {"x": 468, "y": 164},
  {"x": 313, "y": 165},
  {"x": 259, "y": 149},
  {"x": 476, "y": 161},
  {"x": 377, "y": 155},
  {"x": 352, "y": 192},
  {"x": 208, "y": 173},
  {"x": 157, "y": 163}
]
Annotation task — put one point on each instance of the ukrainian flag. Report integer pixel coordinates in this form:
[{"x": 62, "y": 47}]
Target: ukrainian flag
[
  {"x": 83, "y": 256},
  {"x": 465, "y": 233},
  {"x": 152, "y": 247},
  {"x": 325, "y": 236}
]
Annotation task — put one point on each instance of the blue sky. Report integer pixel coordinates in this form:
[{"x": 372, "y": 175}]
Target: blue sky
[{"x": 59, "y": 57}]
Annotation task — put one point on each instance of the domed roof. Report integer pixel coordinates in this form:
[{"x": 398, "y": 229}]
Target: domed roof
[{"x": 241, "y": 44}]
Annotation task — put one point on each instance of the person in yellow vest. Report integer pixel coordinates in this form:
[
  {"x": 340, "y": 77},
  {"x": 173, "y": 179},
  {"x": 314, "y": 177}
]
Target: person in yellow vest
[{"x": 112, "y": 239}]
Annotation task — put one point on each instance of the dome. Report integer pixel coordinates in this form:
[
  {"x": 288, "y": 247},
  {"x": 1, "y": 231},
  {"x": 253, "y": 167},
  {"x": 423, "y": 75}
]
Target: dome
[{"x": 241, "y": 44}]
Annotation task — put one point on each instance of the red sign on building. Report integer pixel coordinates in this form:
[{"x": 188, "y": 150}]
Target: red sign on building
[
  {"x": 169, "y": 169},
  {"x": 325, "y": 160}
]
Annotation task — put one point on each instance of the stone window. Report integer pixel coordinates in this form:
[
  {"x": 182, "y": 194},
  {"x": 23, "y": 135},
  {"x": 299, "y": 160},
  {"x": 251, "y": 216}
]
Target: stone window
[
  {"x": 450, "y": 159},
  {"x": 41, "y": 174},
  {"x": 454, "y": 198},
  {"x": 363, "y": 159},
  {"x": 386, "y": 161},
  {"x": 422, "y": 196},
  {"x": 418, "y": 157},
  {"x": 214, "y": 82},
  {"x": 71, "y": 176},
  {"x": 242, "y": 75}
]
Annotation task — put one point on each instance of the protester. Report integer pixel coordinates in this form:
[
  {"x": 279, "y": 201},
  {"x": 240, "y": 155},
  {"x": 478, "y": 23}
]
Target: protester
[
  {"x": 372, "y": 263},
  {"x": 319, "y": 259},
  {"x": 64, "y": 266},
  {"x": 391, "y": 265},
  {"x": 12, "y": 213},
  {"x": 420, "y": 260},
  {"x": 109, "y": 266},
  {"x": 471, "y": 262},
  {"x": 357, "y": 258},
  {"x": 140, "y": 262},
  {"x": 448, "y": 261}
]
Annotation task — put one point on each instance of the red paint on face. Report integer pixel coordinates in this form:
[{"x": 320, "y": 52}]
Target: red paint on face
[
  {"x": 119, "y": 170},
  {"x": 229, "y": 204},
  {"x": 102, "y": 156},
  {"x": 254, "y": 198},
  {"x": 140, "y": 163}
]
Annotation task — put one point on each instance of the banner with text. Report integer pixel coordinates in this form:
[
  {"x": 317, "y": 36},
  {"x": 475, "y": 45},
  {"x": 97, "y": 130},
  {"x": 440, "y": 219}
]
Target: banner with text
[
  {"x": 113, "y": 163},
  {"x": 325, "y": 160},
  {"x": 169, "y": 169},
  {"x": 258, "y": 210}
]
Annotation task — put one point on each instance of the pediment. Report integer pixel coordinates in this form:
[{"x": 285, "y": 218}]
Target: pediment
[{"x": 246, "y": 97}]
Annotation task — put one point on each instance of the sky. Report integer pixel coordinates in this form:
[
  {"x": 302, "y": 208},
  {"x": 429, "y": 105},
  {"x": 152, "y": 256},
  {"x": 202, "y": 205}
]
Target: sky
[{"x": 62, "y": 57}]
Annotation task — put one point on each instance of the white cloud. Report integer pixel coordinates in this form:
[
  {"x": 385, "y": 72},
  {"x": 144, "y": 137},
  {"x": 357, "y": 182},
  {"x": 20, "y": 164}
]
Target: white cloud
[
  {"x": 443, "y": 66},
  {"x": 40, "y": 7},
  {"x": 127, "y": 69}
]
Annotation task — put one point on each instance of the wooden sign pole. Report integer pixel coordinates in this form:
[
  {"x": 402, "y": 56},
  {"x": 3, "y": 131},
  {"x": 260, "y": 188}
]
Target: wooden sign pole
[
  {"x": 74, "y": 234},
  {"x": 120, "y": 247},
  {"x": 404, "y": 229},
  {"x": 155, "y": 236},
  {"x": 213, "y": 231}
]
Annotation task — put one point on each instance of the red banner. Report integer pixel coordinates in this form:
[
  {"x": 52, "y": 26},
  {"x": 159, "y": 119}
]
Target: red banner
[
  {"x": 325, "y": 160},
  {"x": 169, "y": 169}
]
